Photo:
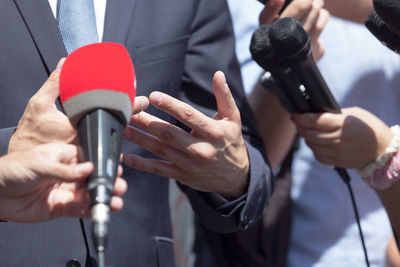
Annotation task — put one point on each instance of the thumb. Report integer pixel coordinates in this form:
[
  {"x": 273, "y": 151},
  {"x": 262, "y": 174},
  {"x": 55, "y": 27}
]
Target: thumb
[
  {"x": 50, "y": 90},
  {"x": 70, "y": 172},
  {"x": 225, "y": 103}
]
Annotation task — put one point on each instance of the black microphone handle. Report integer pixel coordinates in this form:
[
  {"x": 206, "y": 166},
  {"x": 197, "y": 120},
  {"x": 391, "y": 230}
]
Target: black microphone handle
[
  {"x": 320, "y": 95},
  {"x": 292, "y": 89}
]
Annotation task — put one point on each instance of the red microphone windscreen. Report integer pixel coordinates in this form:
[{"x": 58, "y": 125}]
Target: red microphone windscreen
[{"x": 99, "y": 75}]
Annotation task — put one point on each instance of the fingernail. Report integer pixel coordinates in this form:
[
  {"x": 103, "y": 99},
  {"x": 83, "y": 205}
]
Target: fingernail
[
  {"x": 60, "y": 64},
  {"x": 135, "y": 117},
  {"x": 156, "y": 98},
  {"x": 222, "y": 74},
  {"x": 81, "y": 169},
  {"x": 144, "y": 103}
]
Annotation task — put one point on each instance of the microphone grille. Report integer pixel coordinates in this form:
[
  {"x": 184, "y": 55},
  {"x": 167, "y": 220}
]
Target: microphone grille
[
  {"x": 260, "y": 43},
  {"x": 389, "y": 11},
  {"x": 382, "y": 32},
  {"x": 288, "y": 37}
]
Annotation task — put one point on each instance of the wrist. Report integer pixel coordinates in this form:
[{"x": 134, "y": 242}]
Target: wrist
[
  {"x": 238, "y": 189},
  {"x": 385, "y": 170}
]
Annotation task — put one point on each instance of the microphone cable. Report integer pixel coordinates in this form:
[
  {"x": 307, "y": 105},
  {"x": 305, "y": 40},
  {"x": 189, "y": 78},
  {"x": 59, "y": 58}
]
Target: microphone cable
[{"x": 346, "y": 179}]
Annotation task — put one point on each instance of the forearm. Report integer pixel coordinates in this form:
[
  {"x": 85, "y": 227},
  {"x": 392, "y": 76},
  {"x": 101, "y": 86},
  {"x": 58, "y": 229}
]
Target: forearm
[
  {"x": 354, "y": 10},
  {"x": 276, "y": 128},
  {"x": 390, "y": 198}
]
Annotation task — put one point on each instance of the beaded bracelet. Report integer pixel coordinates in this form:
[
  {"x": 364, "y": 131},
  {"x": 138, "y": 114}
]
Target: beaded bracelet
[
  {"x": 385, "y": 170},
  {"x": 384, "y": 177}
]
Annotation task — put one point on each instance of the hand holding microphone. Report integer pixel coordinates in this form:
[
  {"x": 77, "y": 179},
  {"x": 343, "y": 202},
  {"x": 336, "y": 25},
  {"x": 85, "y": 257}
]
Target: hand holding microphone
[
  {"x": 291, "y": 43},
  {"x": 311, "y": 14},
  {"x": 97, "y": 93}
]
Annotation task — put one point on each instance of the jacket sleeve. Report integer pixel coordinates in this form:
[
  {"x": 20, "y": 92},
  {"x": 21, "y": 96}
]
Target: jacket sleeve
[
  {"x": 5, "y": 135},
  {"x": 211, "y": 48}
]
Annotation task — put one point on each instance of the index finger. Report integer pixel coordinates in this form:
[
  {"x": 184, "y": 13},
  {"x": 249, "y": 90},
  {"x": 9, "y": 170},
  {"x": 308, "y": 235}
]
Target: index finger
[
  {"x": 225, "y": 103},
  {"x": 183, "y": 112},
  {"x": 321, "y": 121}
]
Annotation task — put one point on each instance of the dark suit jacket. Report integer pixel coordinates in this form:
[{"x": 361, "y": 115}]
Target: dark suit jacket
[{"x": 176, "y": 46}]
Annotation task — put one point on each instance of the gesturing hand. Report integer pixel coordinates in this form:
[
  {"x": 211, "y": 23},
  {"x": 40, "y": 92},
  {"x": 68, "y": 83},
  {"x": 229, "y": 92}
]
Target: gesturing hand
[
  {"x": 211, "y": 158},
  {"x": 46, "y": 182},
  {"x": 350, "y": 140}
]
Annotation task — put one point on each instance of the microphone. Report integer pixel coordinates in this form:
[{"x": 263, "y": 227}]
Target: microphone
[
  {"x": 389, "y": 11},
  {"x": 287, "y": 86},
  {"x": 291, "y": 43},
  {"x": 97, "y": 93},
  {"x": 382, "y": 32}
]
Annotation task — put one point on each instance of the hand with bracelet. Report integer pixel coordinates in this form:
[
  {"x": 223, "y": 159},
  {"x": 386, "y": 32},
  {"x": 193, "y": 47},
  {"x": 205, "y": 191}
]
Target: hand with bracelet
[{"x": 358, "y": 139}]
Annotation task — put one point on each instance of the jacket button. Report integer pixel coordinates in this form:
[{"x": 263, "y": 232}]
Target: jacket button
[{"x": 73, "y": 263}]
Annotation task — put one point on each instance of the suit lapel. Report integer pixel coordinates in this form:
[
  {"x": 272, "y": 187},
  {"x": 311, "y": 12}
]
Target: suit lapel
[
  {"x": 42, "y": 25},
  {"x": 117, "y": 20}
]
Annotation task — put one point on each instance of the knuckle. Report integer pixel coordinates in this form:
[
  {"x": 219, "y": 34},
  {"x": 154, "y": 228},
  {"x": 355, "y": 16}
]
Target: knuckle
[
  {"x": 155, "y": 170},
  {"x": 167, "y": 135},
  {"x": 54, "y": 76},
  {"x": 218, "y": 135},
  {"x": 187, "y": 113},
  {"x": 159, "y": 150},
  {"x": 36, "y": 104},
  {"x": 205, "y": 154}
]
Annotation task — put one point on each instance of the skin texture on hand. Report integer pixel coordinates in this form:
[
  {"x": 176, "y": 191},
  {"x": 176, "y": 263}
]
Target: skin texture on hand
[
  {"x": 211, "y": 158},
  {"x": 47, "y": 182},
  {"x": 349, "y": 140}
]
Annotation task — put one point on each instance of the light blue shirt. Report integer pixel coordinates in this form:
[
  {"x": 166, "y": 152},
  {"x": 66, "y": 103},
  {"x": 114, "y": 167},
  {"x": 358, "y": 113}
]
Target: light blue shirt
[{"x": 360, "y": 72}]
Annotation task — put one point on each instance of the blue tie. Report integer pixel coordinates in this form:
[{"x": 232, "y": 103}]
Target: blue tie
[{"x": 77, "y": 23}]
